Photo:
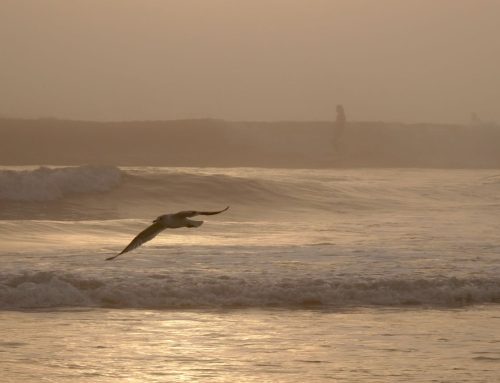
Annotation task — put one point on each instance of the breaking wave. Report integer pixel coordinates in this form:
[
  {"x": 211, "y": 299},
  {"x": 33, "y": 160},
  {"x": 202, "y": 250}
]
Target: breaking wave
[
  {"x": 49, "y": 184},
  {"x": 53, "y": 290},
  {"x": 112, "y": 189},
  {"x": 100, "y": 192}
]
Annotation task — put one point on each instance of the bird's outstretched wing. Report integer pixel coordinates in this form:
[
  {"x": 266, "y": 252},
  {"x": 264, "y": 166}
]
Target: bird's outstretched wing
[
  {"x": 193, "y": 213},
  {"x": 146, "y": 235}
]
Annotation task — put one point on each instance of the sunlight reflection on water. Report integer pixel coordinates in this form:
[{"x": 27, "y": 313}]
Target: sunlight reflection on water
[{"x": 251, "y": 345}]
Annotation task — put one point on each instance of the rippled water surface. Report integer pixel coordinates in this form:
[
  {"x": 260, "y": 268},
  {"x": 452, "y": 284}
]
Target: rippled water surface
[
  {"x": 372, "y": 345},
  {"x": 347, "y": 275}
]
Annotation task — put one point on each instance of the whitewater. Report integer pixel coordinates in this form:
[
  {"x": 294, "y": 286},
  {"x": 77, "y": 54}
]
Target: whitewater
[{"x": 329, "y": 268}]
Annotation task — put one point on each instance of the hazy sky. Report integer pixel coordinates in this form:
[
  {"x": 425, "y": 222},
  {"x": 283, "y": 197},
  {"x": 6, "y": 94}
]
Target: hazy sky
[{"x": 391, "y": 60}]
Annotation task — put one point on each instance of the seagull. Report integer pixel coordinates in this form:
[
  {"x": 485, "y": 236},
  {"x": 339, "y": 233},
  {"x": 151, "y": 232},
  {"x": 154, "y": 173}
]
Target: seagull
[{"x": 166, "y": 221}]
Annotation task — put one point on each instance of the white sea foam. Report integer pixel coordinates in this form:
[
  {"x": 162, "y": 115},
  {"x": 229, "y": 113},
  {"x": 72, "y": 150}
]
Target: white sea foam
[
  {"x": 48, "y": 184},
  {"x": 52, "y": 289}
]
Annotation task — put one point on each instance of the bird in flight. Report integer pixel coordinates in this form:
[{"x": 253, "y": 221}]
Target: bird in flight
[{"x": 166, "y": 221}]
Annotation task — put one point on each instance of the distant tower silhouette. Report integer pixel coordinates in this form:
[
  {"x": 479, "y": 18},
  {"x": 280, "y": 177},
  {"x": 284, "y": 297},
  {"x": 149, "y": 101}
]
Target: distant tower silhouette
[
  {"x": 474, "y": 119},
  {"x": 338, "y": 129},
  {"x": 340, "y": 116}
]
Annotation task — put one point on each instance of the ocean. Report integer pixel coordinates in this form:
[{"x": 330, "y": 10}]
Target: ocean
[{"x": 345, "y": 275}]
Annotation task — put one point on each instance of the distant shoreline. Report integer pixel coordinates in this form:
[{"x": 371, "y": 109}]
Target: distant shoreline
[{"x": 219, "y": 143}]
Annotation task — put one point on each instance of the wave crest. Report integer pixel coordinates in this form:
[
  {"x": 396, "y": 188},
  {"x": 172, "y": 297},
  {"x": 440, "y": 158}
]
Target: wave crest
[
  {"x": 49, "y": 184},
  {"x": 51, "y": 290}
]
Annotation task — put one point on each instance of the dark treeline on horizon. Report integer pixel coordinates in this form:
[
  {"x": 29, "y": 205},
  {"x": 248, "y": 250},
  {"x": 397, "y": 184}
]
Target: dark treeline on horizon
[{"x": 212, "y": 142}]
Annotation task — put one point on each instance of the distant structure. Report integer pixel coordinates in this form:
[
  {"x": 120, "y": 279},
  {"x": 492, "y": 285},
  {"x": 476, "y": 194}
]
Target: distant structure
[
  {"x": 338, "y": 128},
  {"x": 474, "y": 119},
  {"x": 340, "y": 115}
]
